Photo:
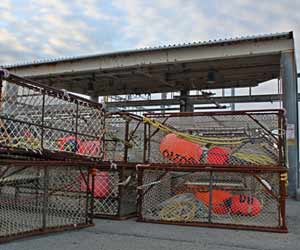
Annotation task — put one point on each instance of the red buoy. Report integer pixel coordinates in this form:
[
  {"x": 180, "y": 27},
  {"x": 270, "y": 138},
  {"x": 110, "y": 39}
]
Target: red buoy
[
  {"x": 101, "y": 185},
  {"x": 219, "y": 200},
  {"x": 179, "y": 150},
  {"x": 217, "y": 155},
  {"x": 245, "y": 205}
]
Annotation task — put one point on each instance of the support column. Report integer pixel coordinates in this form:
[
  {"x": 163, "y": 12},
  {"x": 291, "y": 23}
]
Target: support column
[
  {"x": 232, "y": 105},
  {"x": 290, "y": 103},
  {"x": 185, "y": 103},
  {"x": 163, "y": 97}
]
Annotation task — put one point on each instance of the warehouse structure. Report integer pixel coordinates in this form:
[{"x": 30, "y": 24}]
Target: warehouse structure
[{"x": 232, "y": 63}]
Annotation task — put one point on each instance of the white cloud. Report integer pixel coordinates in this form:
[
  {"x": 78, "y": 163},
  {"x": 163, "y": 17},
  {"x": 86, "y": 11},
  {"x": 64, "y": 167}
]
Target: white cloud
[
  {"x": 5, "y": 4},
  {"x": 63, "y": 28}
]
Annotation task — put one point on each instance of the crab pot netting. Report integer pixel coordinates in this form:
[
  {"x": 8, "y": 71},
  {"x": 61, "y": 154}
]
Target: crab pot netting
[
  {"x": 124, "y": 136},
  {"x": 39, "y": 119},
  {"x": 115, "y": 192},
  {"x": 221, "y": 138},
  {"x": 252, "y": 200},
  {"x": 40, "y": 199}
]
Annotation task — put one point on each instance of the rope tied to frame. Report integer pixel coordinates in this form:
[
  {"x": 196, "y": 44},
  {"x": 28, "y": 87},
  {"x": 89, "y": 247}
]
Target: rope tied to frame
[{"x": 196, "y": 138}]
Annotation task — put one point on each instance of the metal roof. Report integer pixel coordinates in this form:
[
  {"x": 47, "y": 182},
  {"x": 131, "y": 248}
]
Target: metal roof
[{"x": 226, "y": 41}]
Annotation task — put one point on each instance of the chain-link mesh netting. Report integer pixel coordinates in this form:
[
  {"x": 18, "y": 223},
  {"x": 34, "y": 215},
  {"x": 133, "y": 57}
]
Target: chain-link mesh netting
[
  {"x": 36, "y": 199},
  {"x": 36, "y": 118},
  {"x": 124, "y": 136},
  {"x": 115, "y": 193},
  {"x": 221, "y": 138},
  {"x": 251, "y": 199}
]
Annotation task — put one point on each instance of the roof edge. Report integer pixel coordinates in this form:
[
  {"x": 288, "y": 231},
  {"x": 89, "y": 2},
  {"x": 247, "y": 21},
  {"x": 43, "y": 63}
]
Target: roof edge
[{"x": 226, "y": 41}]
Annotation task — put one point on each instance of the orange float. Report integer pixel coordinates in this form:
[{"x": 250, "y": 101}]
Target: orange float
[
  {"x": 217, "y": 155},
  {"x": 220, "y": 198},
  {"x": 179, "y": 150},
  {"x": 101, "y": 185},
  {"x": 245, "y": 205}
]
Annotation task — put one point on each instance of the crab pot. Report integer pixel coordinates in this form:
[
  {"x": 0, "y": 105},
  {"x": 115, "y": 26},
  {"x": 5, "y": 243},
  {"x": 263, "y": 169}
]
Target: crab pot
[
  {"x": 43, "y": 197},
  {"x": 124, "y": 136},
  {"x": 238, "y": 198},
  {"x": 40, "y": 121},
  {"x": 230, "y": 138},
  {"x": 115, "y": 192}
]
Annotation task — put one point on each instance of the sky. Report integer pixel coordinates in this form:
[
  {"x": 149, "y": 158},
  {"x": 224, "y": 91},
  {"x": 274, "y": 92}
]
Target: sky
[{"x": 43, "y": 29}]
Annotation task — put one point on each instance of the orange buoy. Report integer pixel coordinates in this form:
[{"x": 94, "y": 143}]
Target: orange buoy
[
  {"x": 217, "y": 155},
  {"x": 101, "y": 185},
  {"x": 219, "y": 200},
  {"x": 179, "y": 150},
  {"x": 245, "y": 205}
]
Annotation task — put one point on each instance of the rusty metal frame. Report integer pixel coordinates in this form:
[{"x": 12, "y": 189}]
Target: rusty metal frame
[
  {"x": 280, "y": 113},
  {"x": 128, "y": 133},
  {"x": 282, "y": 228},
  {"x": 120, "y": 169},
  {"x": 45, "y": 166},
  {"x": 44, "y": 91}
]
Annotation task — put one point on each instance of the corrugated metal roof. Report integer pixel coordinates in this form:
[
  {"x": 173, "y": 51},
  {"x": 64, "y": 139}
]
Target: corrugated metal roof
[{"x": 226, "y": 41}]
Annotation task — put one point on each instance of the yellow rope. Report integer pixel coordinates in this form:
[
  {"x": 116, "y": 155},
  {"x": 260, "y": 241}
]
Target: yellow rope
[
  {"x": 179, "y": 211},
  {"x": 259, "y": 159},
  {"x": 196, "y": 139}
]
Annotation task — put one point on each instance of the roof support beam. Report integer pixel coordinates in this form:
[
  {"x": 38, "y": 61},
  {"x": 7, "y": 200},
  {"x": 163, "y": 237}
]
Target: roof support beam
[{"x": 290, "y": 103}]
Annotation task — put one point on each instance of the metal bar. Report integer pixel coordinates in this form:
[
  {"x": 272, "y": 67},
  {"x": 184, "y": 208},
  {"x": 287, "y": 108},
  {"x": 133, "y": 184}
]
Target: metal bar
[
  {"x": 126, "y": 141},
  {"x": 4, "y": 239},
  {"x": 215, "y": 168},
  {"x": 219, "y": 225},
  {"x": 42, "y": 120},
  {"x": 264, "y": 128},
  {"x": 195, "y": 101},
  {"x": 140, "y": 192},
  {"x": 45, "y": 198},
  {"x": 88, "y": 192},
  {"x": 76, "y": 126},
  {"x": 283, "y": 195},
  {"x": 45, "y": 127},
  {"x": 290, "y": 103},
  {"x": 133, "y": 131},
  {"x": 145, "y": 144},
  {"x": 210, "y": 196},
  {"x": 92, "y": 197},
  {"x": 216, "y": 113},
  {"x": 120, "y": 191}
]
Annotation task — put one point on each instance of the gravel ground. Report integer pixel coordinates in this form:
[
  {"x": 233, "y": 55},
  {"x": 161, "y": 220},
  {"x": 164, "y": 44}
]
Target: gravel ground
[{"x": 115, "y": 235}]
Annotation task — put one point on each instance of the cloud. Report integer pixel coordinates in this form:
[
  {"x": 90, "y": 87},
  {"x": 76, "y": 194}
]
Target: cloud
[{"x": 40, "y": 29}]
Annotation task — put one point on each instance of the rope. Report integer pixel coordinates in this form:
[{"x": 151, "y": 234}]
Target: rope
[
  {"x": 194, "y": 138},
  {"x": 254, "y": 158},
  {"x": 179, "y": 211}
]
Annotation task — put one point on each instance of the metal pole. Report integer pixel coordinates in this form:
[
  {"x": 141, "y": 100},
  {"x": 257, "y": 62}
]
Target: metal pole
[
  {"x": 45, "y": 198},
  {"x": 232, "y": 105},
  {"x": 185, "y": 103},
  {"x": 290, "y": 103},
  {"x": 163, "y": 97}
]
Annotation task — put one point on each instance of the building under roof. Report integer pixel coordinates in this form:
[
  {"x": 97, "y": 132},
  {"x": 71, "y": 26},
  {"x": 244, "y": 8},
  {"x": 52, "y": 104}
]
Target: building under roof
[{"x": 229, "y": 63}]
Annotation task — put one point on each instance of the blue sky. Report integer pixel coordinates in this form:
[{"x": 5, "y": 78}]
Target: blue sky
[{"x": 37, "y": 29}]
